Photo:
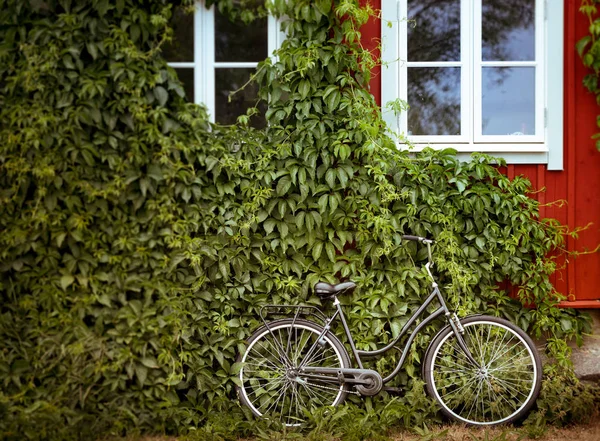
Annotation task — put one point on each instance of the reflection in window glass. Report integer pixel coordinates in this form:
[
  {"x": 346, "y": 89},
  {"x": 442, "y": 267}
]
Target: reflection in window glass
[
  {"x": 186, "y": 76},
  {"x": 433, "y": 30},
  {"x": 181, "y": 47},
  {"x": 238, "y": 41},
  {"x": 230, "y": 80},
  {"x": 508, "y": 101},
  {"x": 434, "y": 99},
  {"x": 508, "y": 30}
]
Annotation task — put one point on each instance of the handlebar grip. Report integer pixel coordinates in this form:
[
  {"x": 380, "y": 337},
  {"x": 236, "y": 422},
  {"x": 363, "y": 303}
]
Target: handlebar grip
[{"x": 409, "y": 237}]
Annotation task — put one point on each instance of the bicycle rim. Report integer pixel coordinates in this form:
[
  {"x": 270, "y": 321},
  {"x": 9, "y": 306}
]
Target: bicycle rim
[
  {"x": 500, "y": 390},
  {"x": 270, "y": 382}
]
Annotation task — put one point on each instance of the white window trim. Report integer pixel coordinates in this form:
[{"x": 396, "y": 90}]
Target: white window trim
[
  {"x": 204, "y": 63},
  {"x": 547, "y": 148}
]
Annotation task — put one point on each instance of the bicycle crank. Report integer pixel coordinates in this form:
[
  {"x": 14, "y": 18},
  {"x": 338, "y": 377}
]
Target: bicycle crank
[{"x": 368, "y": 382}]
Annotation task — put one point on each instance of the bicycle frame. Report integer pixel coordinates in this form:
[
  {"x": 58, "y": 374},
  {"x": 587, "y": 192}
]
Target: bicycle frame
[{"x": 442, "y": 310}]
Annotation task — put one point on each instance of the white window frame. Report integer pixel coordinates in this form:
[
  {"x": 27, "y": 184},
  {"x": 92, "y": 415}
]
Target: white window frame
[
  {"x": 204, "y": 63},
  {"x": 545, "y": 147}
]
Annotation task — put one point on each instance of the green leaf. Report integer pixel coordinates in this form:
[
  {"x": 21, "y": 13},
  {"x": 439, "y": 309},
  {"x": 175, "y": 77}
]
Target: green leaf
[
  {"x": 323, "y": 203},
  {"x": 141, "y": 373},
  {"x": 480, "y": 241},
  {"x": 66, "y": 281},
  {"x": 581, "y": 44},
  {"x": 92, "y": 49},
  {"x": 304, "y": 88},
  {"x": 300, "y": 219},
  {"x": 283, "y": 185},
  {"x": 161, "y": 95},
  {"x": 566, "y": 324},
  {"x": 330, "y": 251},
  {"x": 330, "y": 177},
  {"x": 269, "y": 225},
  {"x": 317, "y": 249},
  {"x": 150, "y": 362},
  {"x": 333, "y": 100}
]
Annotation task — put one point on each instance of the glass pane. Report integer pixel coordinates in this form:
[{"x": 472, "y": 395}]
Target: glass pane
[
  {"x": 508, "y": 101},
  {"x": 508, "y": 30},
  {"x": 186, "y": 76},
  {"x": 181, "y": 47},
  {"x": 433, "y": 30},
  {"x": 229, "y": 80},
  {"x": 434, "y": 99},
  {"x": 239, "y": 41}
]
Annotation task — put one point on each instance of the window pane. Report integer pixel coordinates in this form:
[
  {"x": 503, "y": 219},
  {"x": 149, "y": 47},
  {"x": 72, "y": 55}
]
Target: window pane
[
  {"x": 508, "y": 30},
  {"x": 434, "y": 99},
  {"x": 433, "y": 30},
  {"x": 228, "y": 80},
  {"x": 186, "y": 76},
  {"x": 239, "y": 41},
  {"x": 181, "y": 47},
  {"x": 508, "y": 101}
]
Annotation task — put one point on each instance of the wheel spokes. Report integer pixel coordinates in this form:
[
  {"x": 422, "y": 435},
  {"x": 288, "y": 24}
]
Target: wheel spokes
[
  {"x": 496, "y": 390},
  {"x": 271, "y": 386}
]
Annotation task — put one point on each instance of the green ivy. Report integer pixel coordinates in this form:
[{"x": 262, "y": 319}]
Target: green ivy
[
  {"x": 588, "y": 48},
  {"x": 138, "y": 241}
]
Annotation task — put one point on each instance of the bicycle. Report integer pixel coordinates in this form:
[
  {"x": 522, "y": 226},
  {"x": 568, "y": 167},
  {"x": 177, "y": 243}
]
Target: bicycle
[{"x": 481, "y": 370}]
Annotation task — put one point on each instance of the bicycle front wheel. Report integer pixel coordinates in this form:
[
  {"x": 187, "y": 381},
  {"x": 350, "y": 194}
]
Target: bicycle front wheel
[
  {"x": 504, "y": 384},
  {"x": 270, "y": 380}
]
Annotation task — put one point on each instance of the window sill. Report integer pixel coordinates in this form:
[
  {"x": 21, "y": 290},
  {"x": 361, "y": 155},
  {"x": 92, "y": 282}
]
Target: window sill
[{"x": 525, "y": 153}]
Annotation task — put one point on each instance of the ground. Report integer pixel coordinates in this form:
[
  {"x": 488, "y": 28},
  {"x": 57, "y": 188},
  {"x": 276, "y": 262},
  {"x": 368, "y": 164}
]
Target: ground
[{"x": 582, "y": 432}]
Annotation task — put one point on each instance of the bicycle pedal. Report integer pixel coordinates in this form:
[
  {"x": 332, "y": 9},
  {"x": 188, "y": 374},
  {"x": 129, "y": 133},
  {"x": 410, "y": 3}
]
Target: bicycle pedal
[{"x": 393, "y": 390}]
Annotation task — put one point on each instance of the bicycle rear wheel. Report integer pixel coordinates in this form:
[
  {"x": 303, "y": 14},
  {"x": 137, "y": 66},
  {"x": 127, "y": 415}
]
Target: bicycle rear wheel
[
  {"x": 504, "y": 385},
  {"x": 269, "y": 377}
]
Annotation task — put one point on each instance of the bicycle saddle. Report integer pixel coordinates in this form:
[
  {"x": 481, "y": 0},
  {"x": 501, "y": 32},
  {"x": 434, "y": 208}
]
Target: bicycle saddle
[{"x": 326, "y": 291}]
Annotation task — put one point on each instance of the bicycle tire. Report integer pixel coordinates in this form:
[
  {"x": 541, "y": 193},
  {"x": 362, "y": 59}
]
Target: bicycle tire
[
  {"x": 270, "y": 386},
  {"x": 502, "y": 390}
]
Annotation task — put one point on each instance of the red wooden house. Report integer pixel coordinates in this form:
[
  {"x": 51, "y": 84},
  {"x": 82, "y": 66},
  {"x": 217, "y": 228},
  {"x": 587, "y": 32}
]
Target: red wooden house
[{"x": 497, "y": 76}]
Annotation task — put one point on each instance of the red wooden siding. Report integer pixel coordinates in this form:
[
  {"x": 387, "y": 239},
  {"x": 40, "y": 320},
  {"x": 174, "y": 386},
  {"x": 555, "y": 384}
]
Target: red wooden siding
[{"x": 578, "y": 184}]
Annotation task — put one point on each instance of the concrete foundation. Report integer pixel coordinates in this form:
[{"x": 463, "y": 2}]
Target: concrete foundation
[{"x": 586, "y": 359}]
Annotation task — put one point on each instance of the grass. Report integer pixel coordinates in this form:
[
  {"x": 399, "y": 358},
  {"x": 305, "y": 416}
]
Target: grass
[{"x": 453, "y": 432}]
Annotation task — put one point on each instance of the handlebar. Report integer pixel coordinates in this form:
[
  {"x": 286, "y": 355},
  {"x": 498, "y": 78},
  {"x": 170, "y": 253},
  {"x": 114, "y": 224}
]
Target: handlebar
[{"x": 417, "y": 238}]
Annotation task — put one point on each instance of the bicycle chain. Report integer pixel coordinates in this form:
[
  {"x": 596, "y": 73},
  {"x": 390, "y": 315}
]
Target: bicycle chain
[{"x": 329, "y": 388}]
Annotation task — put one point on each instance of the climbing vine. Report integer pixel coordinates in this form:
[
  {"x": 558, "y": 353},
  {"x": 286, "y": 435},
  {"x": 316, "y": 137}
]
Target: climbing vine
[
  {"x": 588, "y": 48},
  {"x": 138, "y": 241}
]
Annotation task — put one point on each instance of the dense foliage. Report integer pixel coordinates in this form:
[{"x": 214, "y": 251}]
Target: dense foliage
[
  {"x": 137, "y": 242},
  {"x": 588, "y": 48}
]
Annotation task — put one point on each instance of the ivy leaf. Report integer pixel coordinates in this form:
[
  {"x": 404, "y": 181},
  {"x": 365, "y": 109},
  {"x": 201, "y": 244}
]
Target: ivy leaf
[
  {"x": 323, "y": 203},
  {"x": 150, "y": 362},
  {"x": 141, "y": 373},
  {"x": 316, "y": 251},
  {"x": 566, "y": 324},
  {"x": 581, "y": 44},
  {"x": 324, "y": 6},
  {"x": 66, "y": 281},
  {"x": 269, "y": 225},
  {"x": 283, "y": 185},
  {"x": 92, "y": 49},
  {"x": 330, "y": 251},
  {"x": 304, "y": 88},
  {"x": 161, "y": 94},
  {"x": 300, "y": 219},
  {"x": 330, "y": 177}
]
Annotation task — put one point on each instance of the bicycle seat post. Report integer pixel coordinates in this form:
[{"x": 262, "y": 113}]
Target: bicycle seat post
[{"x": 429, "y": 264}]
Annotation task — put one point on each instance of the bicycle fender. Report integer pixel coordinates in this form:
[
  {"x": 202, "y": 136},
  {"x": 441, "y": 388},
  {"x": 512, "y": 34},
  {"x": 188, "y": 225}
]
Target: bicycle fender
[{"x": 434, "y": 338}]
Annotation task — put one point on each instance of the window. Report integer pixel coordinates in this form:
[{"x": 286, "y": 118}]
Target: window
[
  {"x": 213, "y": 57},
  {"x": 478, "y": 75}
]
